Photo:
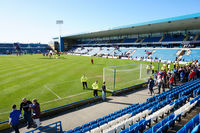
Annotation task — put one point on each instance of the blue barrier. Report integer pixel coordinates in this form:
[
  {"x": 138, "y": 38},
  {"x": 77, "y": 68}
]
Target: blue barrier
[
  {"x": 48, "y": 127},
  {"x": 127, "y": 89}
]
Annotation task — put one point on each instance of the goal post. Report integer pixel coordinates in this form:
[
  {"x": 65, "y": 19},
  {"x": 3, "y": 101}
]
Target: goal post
[{"x": 118, "y": 77}]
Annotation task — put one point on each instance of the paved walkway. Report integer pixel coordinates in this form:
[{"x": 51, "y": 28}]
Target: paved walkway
[{"x": 81, "y": 116}]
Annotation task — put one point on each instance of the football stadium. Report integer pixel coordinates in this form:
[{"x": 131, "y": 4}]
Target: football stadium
[{"x": 137, "y": 78}]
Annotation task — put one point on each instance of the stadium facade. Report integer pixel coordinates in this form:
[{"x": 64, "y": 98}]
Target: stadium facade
[
  {"x": 142, "y": 33},
  {"x": 176, "y": 32}
]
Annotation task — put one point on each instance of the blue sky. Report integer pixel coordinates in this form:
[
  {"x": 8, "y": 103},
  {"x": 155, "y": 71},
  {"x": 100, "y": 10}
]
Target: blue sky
[{"x": 35, "y": 20}]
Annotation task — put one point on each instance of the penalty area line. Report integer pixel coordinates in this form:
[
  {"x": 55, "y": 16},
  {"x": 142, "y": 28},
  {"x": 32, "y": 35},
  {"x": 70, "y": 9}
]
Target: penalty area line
[
  {"x": 52, "y": 92},
  {"x": 65, "y": 97}
]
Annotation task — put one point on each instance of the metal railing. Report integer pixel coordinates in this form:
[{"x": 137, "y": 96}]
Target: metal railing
[{"x": 54, "y": 127}]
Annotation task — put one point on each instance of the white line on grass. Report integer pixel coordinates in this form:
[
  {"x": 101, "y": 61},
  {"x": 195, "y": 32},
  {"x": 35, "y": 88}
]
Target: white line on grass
[
  {"x": 65, "y": 97},
  {"x": 5, "y": 113},
  {"x": 52, "y": 92}
]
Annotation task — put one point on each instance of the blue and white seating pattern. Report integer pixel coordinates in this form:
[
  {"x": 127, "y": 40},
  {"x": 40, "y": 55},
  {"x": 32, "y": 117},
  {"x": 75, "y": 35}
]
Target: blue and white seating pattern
[
  {"x": 139, "y": 52},
  {"x": 193, "y": 55},
  {"x": 137, "y": 117}
]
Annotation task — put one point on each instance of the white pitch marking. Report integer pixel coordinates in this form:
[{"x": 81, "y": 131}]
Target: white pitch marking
[
  {"x": 65, "y": 97},
  {"x": 52, "y": 92}
]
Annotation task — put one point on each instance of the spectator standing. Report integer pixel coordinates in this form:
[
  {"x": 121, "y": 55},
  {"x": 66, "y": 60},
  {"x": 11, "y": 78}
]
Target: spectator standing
[
  {"x": 164, "y": 79},
  {"x": 193, "y": 75},
  {"x": 150, "y": 85},
  {"x": 182, "y": 75},
  {"x": 104, "y": 91},
  {"x": 155, "y": 76},
  {"x": 36, "y": 112},
  {"x": 171, "y": 81},
  {"x": 159, "y": 82},
  {"x": 84, "y": 81},
  {"x": 153, "y": 69},
  {"x": 190, "y": 76},
  {"x": 187, "y": 73},
  {"x": 174, "y": 74},
  {"x": 168, "y": 66},
  {"x": 95, "y": 88},
  {"x": 26, "y": 106},
  {"x": 148, "y": 69},
  {"x": 14, "y": 118}
]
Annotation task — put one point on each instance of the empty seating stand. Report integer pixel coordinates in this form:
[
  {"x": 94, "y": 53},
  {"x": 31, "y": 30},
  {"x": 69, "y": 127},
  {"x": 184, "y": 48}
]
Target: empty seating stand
[
  {"x": 9, "y": 48},
  {"x": 171, "y": 38},
  {"x": 193, "y": 55},
  {"x": 168, "y": 106},
  {"x": 165, "y": 54},
  {"x": 152, "y": 39}
]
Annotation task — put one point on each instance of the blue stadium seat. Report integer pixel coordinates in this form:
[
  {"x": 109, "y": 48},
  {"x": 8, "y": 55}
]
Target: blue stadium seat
[
  {"x": 125, "y": 131},
  {"x": 94, "y": 126},
  {"x": 133, "y": 127},
  {"x": 196, "y": 120},
  {"x": 149, "y": 131},
  {"x": 70, "y": 131},
  {"x": 164, "y": 128},
  {"x": 156, "y": 127},
  {"x": 101, "y": 122},
  {"x": 99, "y": 119},
  {"x": 77, "y": 129},
  {"x": 92, "y": 122},
  {"x": 85, "y": 129},
  {"x": 142, "y": 125},
  {"x": 85, "y": 125},
  {"x": 170, "y": 117},
  {"x": 189, "y": 126},
  {"x": 196, "y": 129},
  {"x": 182, "y": 130},
  {"x": 164, "y": 121}
]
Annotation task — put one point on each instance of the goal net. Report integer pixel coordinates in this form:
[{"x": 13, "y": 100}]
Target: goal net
[{"x": 118, "y": 77}]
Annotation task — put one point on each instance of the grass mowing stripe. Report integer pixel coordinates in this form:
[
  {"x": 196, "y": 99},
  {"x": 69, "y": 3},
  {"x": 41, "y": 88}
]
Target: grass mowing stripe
[
  {"x": 22, "y": 75},
  {"x": 30, "y": 75},
  {"x": 16, "y": 72},
  {"x": 4, "y": 78}
]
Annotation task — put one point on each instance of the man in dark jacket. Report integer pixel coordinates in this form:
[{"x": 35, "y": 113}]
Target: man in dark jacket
[
  {"x": 26, "y": 106},
  {"x": 150, "y": 85},
  {"x": 104, "y": 91}
]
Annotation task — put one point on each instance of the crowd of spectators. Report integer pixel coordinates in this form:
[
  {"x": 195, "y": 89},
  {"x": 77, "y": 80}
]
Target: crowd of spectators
[{"x": 168, "y": 76}]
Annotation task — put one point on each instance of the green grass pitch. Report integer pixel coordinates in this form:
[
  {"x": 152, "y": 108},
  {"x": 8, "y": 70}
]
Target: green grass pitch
[{"x": 53, "y": 82}]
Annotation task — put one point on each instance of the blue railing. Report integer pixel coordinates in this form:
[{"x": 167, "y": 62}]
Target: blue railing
[{"x": 56, "y": 127}]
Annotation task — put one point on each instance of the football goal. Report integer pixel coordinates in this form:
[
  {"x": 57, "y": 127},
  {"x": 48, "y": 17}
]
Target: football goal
[{"x": 118, "y": 77}]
